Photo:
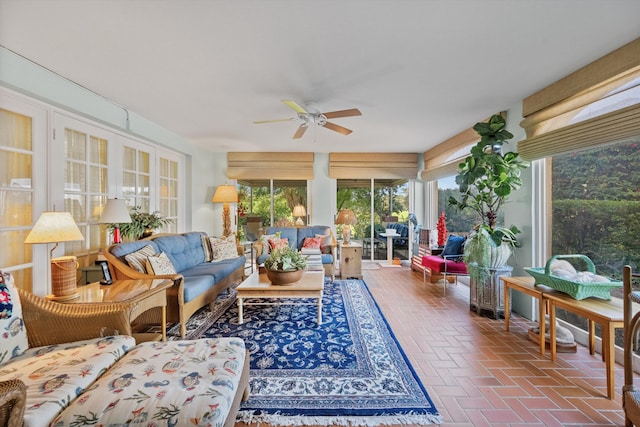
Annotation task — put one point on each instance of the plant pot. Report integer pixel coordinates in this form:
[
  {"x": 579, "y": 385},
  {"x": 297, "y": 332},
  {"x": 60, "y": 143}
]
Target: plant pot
[
  {"x": 486, "y": 292},
  {"x": 284, "y": 277},
  {"x": 500, "y": 255}
]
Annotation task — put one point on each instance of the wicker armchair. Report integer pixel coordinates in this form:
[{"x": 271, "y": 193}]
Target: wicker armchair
[
  {"x": 13, "y": 396},
  {"x": 630, "y": 395},
  {"x": 48, "y": 322}
]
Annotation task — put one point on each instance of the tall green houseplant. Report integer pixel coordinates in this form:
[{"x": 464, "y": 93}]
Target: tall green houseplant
[{"x": 486, "y": 178}]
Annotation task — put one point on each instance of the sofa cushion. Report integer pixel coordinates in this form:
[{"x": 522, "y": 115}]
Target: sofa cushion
[
  {"x": 57, "y": 374},
  {"x": 176, "y": 382},
  {"x": 13, "y": 334},
  {"x": 223, "y": 248},
  {"x": 138, "y": 259},
  {"x": 184, "y": 250},
  {"x": 206, "y": 248},
  {"x": 454, "y": 245},
  {"x": 312, "y": 242},
  {"x": 437, "y": 264},
  {"x": 160, "y": 264}
]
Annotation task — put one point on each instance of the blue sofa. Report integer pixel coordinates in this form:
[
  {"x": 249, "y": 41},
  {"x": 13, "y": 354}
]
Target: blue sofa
[
  {"x": 197, "y": 282},
  {"x": 296, "y": 236}
]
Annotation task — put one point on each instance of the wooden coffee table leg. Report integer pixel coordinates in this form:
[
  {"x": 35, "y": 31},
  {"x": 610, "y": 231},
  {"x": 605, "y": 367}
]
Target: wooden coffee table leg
[
  {"x": 240, "y": 319},
  {"x": 164, "y": 323}
]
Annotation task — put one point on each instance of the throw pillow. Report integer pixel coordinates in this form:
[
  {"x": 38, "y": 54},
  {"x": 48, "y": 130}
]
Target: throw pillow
[
  {"x": 206, "y": 247},
  {"x": 13, "y": 334},
  {"x": 454, "y": 245},
  {"x": 325, "y": 245},
  {"x": 312, "y": 242},
  {"x": 138, "y": 259},
  {"x": 266, "y": 247},
  {"x": 160, "y": 264},
  {"x": 278, "y": 242},
  {"x": 223, "y": 248}
]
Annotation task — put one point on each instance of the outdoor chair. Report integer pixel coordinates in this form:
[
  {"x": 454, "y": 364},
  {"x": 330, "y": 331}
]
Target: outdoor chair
[
  {"x": 448, "y": 263},
  {"x": 630, "y": 395}
]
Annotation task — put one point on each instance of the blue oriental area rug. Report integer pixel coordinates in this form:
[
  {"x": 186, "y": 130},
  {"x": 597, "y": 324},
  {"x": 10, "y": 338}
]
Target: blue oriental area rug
[{"x": 348, "y": 371}]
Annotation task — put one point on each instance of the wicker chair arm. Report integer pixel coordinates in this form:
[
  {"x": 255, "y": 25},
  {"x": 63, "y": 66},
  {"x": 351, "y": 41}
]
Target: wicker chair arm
[
  {"x": 13, "y": 398},
  {"x": 48, "y": 322}
]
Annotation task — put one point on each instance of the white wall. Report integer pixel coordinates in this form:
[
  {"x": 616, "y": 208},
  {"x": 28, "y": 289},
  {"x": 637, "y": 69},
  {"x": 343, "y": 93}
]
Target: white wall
[{"x": 518, "y": 211}]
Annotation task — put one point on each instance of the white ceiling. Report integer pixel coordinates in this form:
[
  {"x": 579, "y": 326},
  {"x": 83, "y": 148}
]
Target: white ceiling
[{"x": 420, "y": 71}]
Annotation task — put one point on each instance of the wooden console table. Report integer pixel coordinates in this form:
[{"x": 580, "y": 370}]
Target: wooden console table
[{"x": 608, "y": 313}]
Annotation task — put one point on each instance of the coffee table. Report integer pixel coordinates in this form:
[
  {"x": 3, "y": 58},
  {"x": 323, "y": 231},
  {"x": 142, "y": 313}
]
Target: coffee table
[
  {"x": 136, "y": 297},
  {"x": 310, "y": 286}
]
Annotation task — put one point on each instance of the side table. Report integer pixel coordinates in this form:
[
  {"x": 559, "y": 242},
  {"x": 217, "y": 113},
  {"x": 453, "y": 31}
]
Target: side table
[
  {"x": 136, "y": 296},
  {"x": 351, "y": 260}
]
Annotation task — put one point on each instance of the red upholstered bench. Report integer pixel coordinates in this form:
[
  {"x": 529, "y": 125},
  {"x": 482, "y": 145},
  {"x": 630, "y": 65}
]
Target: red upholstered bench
[{"x": 446, "y": 264}]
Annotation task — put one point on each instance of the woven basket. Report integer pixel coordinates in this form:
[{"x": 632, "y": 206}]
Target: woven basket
[
  {"x": 577, "y": 290},
  {"x": 63, "y": 276}
]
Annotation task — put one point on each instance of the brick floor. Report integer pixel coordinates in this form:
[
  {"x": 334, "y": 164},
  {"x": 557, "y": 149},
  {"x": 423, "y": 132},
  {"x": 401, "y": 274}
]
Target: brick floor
[{"x": 479, "y": 375}]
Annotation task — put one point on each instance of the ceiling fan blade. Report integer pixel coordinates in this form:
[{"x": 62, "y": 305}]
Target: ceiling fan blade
[
  {"x": 337, "y": 128},
  {"x": 342, "y": 113},
  {"x": 273, "y": 121},
  {"x": 301, "y": 130},
  {"x": 295, "y": 106}
]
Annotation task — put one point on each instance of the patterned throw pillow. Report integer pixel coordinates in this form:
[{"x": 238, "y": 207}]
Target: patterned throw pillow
[
  {"x": 13, "y": 334},
  {"x": 160, "y": 264},
  {"x": 206, "y": 246},
  {"x": 266, "y": 247},
  {"x": 325, "y": 246},
  {"x": 224, "y": 248},
  {"x": 278, "y": 242},
  {"x": 138, "y": 259},
  {"x": 312, "y": 242}
]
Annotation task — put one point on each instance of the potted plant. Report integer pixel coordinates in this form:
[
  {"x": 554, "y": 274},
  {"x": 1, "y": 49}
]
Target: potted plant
[
  {"x": 142, "y": 224},
  {"x": 285, "y": 265},
  {"x": 485, "y": 179}
]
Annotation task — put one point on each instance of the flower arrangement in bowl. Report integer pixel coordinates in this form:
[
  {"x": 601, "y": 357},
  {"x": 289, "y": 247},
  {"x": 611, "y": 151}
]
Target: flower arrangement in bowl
[{"x": 285, "y": 266}]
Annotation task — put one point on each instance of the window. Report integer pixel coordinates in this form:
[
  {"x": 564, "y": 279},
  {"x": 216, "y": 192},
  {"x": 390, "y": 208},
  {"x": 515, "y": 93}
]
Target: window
[
  {"x": 169, "y": 191},
  {"x": 85, "y": 187},
  {"x": 16, "y": 192},
  {"x": 595, "y": 205},
  {"x": 136, "y": 177},
  {"x": 269, "y": 202},
  {"x": 390, "y": 201}
]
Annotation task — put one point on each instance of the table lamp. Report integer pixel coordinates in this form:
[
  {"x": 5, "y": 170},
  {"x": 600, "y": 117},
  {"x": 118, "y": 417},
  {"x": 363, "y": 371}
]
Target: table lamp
[
  {"x": 115, "y": 212},
  {"x": 347, "y": 218},
  {"x": 225, "y": 194},
  {"x": 56, "y": 227},
  {"x": 299, "y": 211}
]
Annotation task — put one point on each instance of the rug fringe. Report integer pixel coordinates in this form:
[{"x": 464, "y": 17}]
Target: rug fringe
[{"x": 277, "y": 419}]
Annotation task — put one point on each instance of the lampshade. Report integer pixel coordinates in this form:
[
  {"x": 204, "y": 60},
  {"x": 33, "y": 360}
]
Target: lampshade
[
  {"x": 54, "y": 227},
  {"x": 346, "y": 216},
  {"x": 299, "y": 211},
  {"x": 225, "y": 194},
  {"x": 115, "y": 212}
]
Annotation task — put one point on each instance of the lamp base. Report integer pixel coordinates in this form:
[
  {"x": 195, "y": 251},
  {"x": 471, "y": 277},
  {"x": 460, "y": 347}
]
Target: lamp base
[
  {"x": 346, "y": 234},
  {"x": 63, "y": 276},
  {"x": 64, "y": 298}
]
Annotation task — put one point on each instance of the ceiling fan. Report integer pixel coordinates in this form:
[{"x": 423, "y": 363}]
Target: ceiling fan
[{"x": 313, "y": 117}]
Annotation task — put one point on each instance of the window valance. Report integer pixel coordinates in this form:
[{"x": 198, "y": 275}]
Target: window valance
[
  {"x": 270, "y": 166},
  {"x": 596, "y": 105},
  {"x": 373, "y": 165},
  {"x": 443, "y": 159}
]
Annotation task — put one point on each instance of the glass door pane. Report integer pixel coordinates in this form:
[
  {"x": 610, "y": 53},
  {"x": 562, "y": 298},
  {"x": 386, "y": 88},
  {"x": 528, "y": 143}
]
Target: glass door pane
[
  {"x": 355, "y": 194},
  {"x": 16, "y": 193}
]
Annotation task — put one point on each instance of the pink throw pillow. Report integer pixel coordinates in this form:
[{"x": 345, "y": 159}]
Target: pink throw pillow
[
  {"x": 312, "y": 242},
  {"x": 278, "y": 243}
]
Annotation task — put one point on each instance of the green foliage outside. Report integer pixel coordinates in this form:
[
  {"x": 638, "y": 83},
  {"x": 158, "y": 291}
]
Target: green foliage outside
[{"x": 596, "y": 206}]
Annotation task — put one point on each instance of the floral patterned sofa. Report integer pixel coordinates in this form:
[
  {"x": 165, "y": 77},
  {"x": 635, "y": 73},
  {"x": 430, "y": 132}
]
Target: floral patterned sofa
[{"x": 57, "y": 369}]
